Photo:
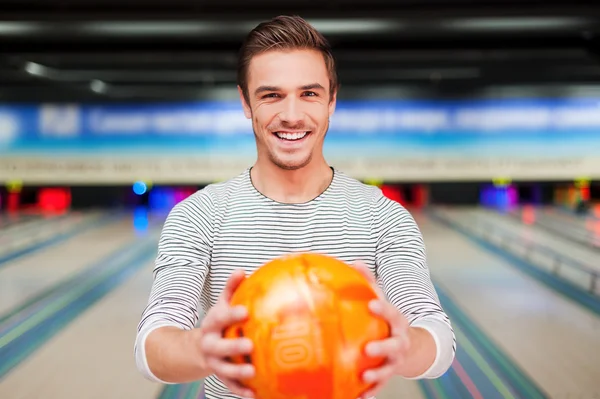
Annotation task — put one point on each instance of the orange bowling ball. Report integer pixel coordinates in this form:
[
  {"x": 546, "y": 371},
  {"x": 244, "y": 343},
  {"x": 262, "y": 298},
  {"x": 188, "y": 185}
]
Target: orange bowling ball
[{"x": 309, "y": 321}]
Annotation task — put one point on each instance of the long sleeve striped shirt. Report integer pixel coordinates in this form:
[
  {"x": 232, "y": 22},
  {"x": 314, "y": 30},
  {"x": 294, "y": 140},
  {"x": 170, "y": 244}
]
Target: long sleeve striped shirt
[{"x": 231, "y": 225}]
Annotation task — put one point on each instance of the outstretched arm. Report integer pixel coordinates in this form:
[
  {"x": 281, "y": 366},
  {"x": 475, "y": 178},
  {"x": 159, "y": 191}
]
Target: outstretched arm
[
  {"x": 414, "y": 310},
  {"x": 165, "y": 346}
]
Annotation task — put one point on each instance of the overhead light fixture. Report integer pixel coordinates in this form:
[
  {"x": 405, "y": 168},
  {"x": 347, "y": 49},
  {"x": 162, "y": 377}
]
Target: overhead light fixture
[
  {"x": 98, "y": 86},
  {"x": 338, "y": 26},
  {"x": 327, "y": 26},
  {"x": 358, "y": 26},
  {"x": 16, "y": 28},
  {"x": 150, "y": 28},
  {"x": 513, "y": 23},
  {"x": 36, "y": 69}
]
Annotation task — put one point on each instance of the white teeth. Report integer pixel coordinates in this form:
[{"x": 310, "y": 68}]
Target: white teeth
[{"x": 291, "y": 136}]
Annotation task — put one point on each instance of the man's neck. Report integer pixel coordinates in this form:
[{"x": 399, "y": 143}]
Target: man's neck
[{"x": 291, "y": 186}]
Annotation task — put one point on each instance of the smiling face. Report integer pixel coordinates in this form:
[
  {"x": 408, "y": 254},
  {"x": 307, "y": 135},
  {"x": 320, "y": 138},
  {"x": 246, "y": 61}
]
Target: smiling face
[{"x": 290, "y": 104}]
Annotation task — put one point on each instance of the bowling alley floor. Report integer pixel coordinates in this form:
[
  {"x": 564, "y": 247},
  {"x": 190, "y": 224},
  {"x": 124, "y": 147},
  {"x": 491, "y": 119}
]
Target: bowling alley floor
[{"x": 72, "y": 288}]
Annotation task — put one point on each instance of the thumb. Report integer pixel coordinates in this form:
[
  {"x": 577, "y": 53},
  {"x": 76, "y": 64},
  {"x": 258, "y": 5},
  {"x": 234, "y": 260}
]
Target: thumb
[{"x": 233, "y": 282}]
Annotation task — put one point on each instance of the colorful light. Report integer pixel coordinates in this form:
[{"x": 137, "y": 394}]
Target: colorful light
[
  {"x": 14, "y": 186},
  {"x": 501, "y": 181},
  {"x": 140, "y": 187},
  {"x": 528, "y": 215},
  {"x": 54, "y": 199},
  {"x": 161, "y": 199},
  {"x": 374, "y": 182},
  {"x": 393, "y": 192},
  {"x": 498, "y": 196},
  {"x": 141, "y": 220}
]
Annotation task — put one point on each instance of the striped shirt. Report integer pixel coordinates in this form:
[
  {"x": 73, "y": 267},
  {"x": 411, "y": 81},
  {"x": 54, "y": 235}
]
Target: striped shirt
[{"x": 231, "y": 225}]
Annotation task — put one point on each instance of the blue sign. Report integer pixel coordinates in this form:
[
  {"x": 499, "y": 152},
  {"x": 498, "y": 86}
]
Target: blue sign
[{"x": 222, "y": 126}]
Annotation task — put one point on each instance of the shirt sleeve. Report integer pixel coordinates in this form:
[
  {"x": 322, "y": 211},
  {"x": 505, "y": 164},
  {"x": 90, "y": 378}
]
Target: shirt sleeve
[
  {"x": 180, "y": 270},
  {"x": 403, "y": 275}
]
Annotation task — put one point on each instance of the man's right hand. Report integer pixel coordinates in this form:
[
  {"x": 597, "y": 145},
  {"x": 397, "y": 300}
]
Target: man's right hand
[{"x": 215, "y": 349}]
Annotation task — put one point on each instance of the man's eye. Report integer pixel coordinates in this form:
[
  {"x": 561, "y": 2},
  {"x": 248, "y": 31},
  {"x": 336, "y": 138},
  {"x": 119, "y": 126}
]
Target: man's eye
[
  {"x": 310, "y": 93},
  {"x": 271, "y": 95}
]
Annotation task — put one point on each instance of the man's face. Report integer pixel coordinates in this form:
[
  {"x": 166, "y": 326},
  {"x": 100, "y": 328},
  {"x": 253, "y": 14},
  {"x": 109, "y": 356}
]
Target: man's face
[{"x": 290, "y": 105}]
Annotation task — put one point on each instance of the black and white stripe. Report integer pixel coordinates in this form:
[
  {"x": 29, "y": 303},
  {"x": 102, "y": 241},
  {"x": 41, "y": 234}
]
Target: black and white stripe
[{"x": 231, "y": 225}]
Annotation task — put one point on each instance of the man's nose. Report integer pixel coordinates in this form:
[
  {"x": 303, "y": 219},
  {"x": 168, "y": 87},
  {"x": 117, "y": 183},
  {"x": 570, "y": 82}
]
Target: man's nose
[{"x": 291, "y": 112}]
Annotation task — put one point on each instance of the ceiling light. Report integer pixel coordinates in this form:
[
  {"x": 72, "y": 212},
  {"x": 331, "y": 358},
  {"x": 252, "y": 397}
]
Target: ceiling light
[
  {"x": 512, "y": 23},
  {"x": 98, "y": 86},
  {"x": 15, "y": 28},
  {"x": 150, "y": 28},
  {"x": 36, "y": 69},
  {"x": 358, "y": 26}
]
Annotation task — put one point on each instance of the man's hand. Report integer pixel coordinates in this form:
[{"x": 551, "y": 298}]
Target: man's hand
[
  {"x": 394, "y": 348},
  {"x": 215, "y": 349}
]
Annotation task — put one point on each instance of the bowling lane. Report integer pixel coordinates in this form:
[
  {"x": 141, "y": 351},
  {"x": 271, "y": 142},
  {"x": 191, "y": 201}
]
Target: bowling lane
[
  {"x": 401, "y": 388},
  {"x": 583, "y": 229},
  {"x": 12, "y": 219},
  {"x": 28, "y": 276},
  {"x": 92, "y": 357},
  {"x": 592, "y": 214},
  {"x": 527, "y": 232},
  {"x": 38, "y": 231},
  {"x": 20, "y": 224},
  {"x": 554, "y": 340}
]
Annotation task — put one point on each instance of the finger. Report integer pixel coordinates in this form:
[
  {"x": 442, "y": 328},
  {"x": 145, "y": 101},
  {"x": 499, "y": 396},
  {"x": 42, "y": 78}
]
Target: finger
[
  {"x": 378, "y": 377},
  {"x": 215, "y": 345},
  {"x": 237, "y": 389},
  {"x": 392, "y": 348},
  {"x": 232, "y": 371},
  {"x": 234, "y": 280},
  {"x": 222, "y": 316},
  {"x": 386, "y": 310},
  {"x": 370, "y": 394}
]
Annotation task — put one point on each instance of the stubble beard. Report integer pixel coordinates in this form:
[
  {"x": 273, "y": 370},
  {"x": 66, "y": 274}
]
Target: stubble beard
[{"x": 273, "y": 157}]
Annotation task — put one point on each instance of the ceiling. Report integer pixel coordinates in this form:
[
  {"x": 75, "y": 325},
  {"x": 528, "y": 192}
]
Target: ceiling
[{"x": 134, "y": 50}]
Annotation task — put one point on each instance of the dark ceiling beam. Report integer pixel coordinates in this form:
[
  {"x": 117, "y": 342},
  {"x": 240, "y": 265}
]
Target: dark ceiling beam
[
  {"x": 176, "y": 82},
  {"x": 468, "y": 89},
  {"x": 360, "y": 10},
  {"x": 348, "y": 71},
  {"x": 199, "y": 57},
  {"x": 266, "y": 8}
]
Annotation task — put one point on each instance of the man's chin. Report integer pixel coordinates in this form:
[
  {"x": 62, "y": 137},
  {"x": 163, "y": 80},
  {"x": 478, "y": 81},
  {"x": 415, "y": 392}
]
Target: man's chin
[{"x": 290, "y": 164}]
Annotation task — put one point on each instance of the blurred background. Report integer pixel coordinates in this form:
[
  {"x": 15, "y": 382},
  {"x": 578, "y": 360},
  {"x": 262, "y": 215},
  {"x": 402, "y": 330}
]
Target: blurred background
[{"x": 482, "y": 117}]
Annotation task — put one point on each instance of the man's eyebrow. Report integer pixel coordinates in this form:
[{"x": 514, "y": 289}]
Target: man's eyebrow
[
  {"x": 262, "y": 89},
  {"x": 311, "y": 86}
]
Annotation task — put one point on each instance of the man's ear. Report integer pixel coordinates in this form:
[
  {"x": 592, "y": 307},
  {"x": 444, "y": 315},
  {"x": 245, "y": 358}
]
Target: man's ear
[
  {"x": 247, "y": 110},
  {"x": 333, "y": 103}
]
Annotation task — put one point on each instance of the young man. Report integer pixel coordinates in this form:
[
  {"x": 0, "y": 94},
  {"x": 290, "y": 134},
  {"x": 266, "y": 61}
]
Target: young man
[{"x": 290, "y": 200}]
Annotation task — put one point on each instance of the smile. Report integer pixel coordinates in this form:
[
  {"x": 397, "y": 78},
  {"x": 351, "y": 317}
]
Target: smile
[{"x": 292, "y": 136}]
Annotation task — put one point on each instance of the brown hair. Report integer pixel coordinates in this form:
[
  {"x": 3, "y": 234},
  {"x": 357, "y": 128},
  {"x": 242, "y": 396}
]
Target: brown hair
[{"x": 284, "y": 33}]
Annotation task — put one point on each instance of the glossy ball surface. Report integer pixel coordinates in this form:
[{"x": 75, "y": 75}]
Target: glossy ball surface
[{"x": 309, "y": 322}]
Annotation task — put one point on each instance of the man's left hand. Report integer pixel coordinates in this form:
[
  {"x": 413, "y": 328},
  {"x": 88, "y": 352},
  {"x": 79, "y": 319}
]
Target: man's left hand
[{"x": 394, "y": 348}]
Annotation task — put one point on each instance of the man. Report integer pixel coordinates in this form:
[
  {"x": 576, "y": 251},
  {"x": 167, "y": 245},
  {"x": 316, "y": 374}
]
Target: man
[{"x": 289, "y": 200}]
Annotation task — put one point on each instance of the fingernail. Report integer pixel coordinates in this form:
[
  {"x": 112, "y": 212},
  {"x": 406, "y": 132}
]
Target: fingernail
[
  {"x": 239, "y": 312},
  {"x": 245, "y": 345},
  {"x": 373, "y": 349},
  {"x": 369, "y": 376},
  {"x": 375, "y": 306},
  {"x": 247, "y": 371}
]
